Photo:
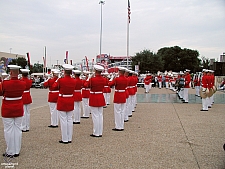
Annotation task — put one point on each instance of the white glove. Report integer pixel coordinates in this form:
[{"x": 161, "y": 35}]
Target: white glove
[
  {"x": 89, "y": 76},
  {"x": 112, "y": 77}
]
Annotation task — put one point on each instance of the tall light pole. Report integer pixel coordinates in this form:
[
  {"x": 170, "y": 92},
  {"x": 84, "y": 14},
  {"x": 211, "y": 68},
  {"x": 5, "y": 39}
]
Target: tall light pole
[{"x": 101, "y": 3}]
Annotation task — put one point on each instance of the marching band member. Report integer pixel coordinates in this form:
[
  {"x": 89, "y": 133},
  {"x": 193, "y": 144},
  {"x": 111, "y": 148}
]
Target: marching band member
[
  {"x": 130, "y": 87},
  {"x": 167, "y": 78},
  {"x": 27, "y": 100},
  {"x": 12, "y": 111},
  {"x": 65, "y": 103},
  {"x": 159, "y": 78},
  {"x": 147, "y": 82},
  {"x": 119, "y": 101},
  {"x": 106, "y": 90},
  {"x": 186, "y": 85},
  {"x": 135, "y": 76},
  {"x": 126, "y": 114},
  {"x": 53, "y": 97},
  {"x": 96, "y": 99},
  {"x": 205, "y": 85},
  {"x": 77, "y": 97},
  {"x": 85, "y": 97}
]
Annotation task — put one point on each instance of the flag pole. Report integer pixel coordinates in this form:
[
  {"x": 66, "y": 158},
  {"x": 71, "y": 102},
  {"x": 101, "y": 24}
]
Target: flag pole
[{"x": 128, "y": 29}]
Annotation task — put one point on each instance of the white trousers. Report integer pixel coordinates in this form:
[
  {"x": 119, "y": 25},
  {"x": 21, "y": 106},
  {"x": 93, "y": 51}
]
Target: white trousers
[
  {"x": 126, "y": 110},
  {"x": 160, "y": 85},
  {"x": 54, "y": 114},
  {"x": 181, "y": 93},
  {"x": 26, "y": 118},
  {"x": 66, "y": 123},
  {"x": 205, "y": 103},
  {"x": 97, "y": 118},
  {"x": 167, "y": 85},
  {"x": 77, "y": 111},
  {"x": 86, "y": 108},
  {"x": 119, "y": 111},
  {"x": 185, "y": 94},
  {"x": 147, "y": 88},
  {"x": 129, "y": 106},
  {"x": 197, "y": 89},
  {"x": 13, "y": 134},
  {"x": 107, "y": 98}
]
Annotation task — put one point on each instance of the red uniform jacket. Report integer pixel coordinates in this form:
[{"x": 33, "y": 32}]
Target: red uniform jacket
[
  {"x": 187, "y": 81},
  {"x": 120, "y": 84},
  {"x": 136, "y": 81},
  {"x": 204, "y": 81},
  {"x": 159, "y": 78},
  {"x": 107, "y": 89},
  {"x": 167, "y": 78},
  {"x": 131, "y": 85},
  {"x": 96, "y": 84},
  {"x": 53, "y": 91},
  {"x": 128, "y": 81},
  {"x": 85, "y": 90},
  {"x": 12, "y": 89},
  {"x": 26, "y": 94},
  {"x": 66, "y": 87},
  {"x": 147, "y": 80},
  {"x": 77, "y": 92}
]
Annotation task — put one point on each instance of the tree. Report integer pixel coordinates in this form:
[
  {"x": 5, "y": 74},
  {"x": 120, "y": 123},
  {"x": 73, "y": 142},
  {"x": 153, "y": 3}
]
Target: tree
[
  {"x": 147, "y": 61},
  {"x": 37, "y": 68},
  {"x": 20, "y": 61},
  {"x": 205, "y": 62},
  {"x": 177, "y": 59}
]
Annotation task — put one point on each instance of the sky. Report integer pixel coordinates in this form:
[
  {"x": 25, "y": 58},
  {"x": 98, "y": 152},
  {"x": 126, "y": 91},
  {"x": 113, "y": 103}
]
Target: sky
[{"x": 74, "y": 26}]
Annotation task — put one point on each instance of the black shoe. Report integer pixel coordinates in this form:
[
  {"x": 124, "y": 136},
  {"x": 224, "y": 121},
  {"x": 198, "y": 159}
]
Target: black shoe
[
  {"x": 107, "y": 104},
  {"x": 224, "y": 147},
  {"x": 76, "y": 122},
  {"x": 209, "y": 106},
  {"x": 16, "y": 155},
  {"x": 203, "y": 110},
  {"x": 130, "y": 116},
  {"x": 69, "y": 141},
  {"x": 104, "y": 106},
  {"x": 7, "y": 155},
  {"x": 92, "y": 135},
  {"x": 51, "y": 126},
  {"x": 27, "y": 130},
  {"x": 63, "y": 142},
  {"x": 133, "y": 111},
  {"x": 117, "y": 129},
  {"x": 84, "y": 117},
  {"x": 126, "y": 120},
  {"x": 185, "y": 102},
  {"x": 24, "y": 130}
]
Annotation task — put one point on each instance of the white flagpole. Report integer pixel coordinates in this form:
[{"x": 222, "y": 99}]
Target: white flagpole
[{"x": 127, "y": 41}]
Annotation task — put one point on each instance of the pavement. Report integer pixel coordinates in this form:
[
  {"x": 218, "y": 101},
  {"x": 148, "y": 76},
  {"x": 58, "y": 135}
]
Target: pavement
[{"x": 160, "y": 135}]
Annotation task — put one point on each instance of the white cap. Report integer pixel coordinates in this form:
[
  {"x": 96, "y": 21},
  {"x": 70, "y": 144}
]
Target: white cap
[
  {"x": 4, "y": 74},
  {"x": 56, "y": 71},
  {"x": 67, "y": 67},
  {"x": 86, "y": 72},
  {"x": 211, "y": 71},
  {"x": 105, "y": 73},
  {"x": 11, "y": 67},
  {"x": 205, "y": 70},
  {"x": 76, "y": 71},
  {"x": 25, "y": 70},
  {"x": 181, "y": 73},
  {"x": 187, "y": 70},
  {"x": 98, "y": 68},
  {"x": 121, "y": 68}
]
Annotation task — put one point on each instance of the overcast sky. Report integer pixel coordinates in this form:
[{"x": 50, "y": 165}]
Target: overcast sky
[{"x": 74, "y": 26}]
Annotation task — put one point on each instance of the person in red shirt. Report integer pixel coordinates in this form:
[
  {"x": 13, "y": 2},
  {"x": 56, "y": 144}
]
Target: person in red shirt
[
  {"x": 65, "y": 103},
  {"x": 27, "y": 100},
  {"x": 126, "y": 114},
  {"x": 106, "y": 90},
  {"x": 167, "y": 78},
  {"x": 147, "y": 82},
  {"x": 77, "y": 97},
  {"x": 197, "y": 83},
  {"x": 159, "y": 81},
  {"x": 204, "y": 88},
  {"x": 186, "y": 85},
  {"x": 96, "y": 99},
  {"x": 12, "y": 111},
  {"x": 119, "y": 101},
  {"x": 85, "y": 97},
  {"x": 53, "y": 97},
  {"x": 131, "y": 90}
]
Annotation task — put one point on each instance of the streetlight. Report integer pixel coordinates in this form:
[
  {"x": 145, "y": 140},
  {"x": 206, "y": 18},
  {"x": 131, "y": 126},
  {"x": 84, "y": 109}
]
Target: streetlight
[
  {"x": 102, "y": 3},
  {"x": 10, "y": 49}
]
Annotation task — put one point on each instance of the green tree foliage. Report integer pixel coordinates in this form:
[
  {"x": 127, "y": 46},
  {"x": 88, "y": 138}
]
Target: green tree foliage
[
  {"x": 147, "y": 61},
  {"x": 205, "y": 62},
  {"x": 20, "y": 61},
  {"x": 177, "y": 59},
  {"x": 37, "y": 68}
]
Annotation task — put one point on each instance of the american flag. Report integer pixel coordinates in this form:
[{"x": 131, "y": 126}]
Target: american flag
[{"x": 129, "y": 11}]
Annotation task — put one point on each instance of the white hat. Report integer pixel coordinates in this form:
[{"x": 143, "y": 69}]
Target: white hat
[
  {"x": 187, "y": 70},
  {"x": 56, "y": 71},
  {"x": 105, "y": 73},
  {"x": 67, "y": 67},
  {"x": 25, "y": 70},
  {"x": 11, "y": 67},
  {"x": 4, "y": 74},
  {"x": 76, "y": 71},
  {"x": 86, "y": 72},
  {"x": 121, "y": 68},
  {"x": 181, "y": 73},
  {"x": 98, "y": 68},
  {"x": 205, "y": 70}
]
